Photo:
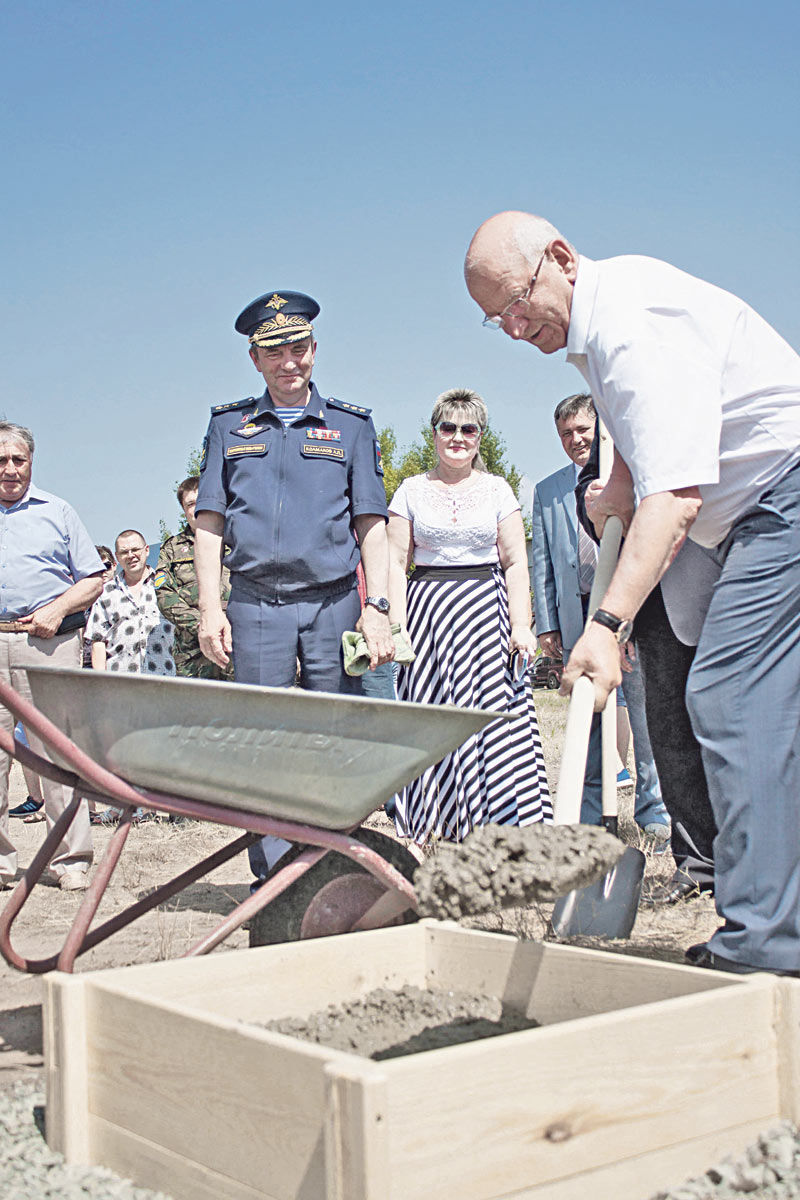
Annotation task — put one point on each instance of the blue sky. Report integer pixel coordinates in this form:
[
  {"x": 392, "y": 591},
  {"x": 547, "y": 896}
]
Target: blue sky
[{"x": 167, "y": 162}]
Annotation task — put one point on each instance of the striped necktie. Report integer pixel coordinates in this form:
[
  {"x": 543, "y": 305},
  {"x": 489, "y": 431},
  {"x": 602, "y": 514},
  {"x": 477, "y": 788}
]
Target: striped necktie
[{"x": 587, "y": 560}]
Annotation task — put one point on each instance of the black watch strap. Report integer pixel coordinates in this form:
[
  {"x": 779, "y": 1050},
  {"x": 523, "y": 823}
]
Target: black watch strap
[{"x": 621, "y": 628}]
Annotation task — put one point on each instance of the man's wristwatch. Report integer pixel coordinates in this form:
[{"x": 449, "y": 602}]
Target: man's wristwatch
[
  {"x": 620, "y": 628},
  {"x": 379, "y": 602}
]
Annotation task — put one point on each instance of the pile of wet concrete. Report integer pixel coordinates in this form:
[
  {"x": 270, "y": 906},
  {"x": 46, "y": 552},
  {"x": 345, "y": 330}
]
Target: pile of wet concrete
[
  {"x": 410, "y": 1020},
  {"x": 505, "y": 866}
]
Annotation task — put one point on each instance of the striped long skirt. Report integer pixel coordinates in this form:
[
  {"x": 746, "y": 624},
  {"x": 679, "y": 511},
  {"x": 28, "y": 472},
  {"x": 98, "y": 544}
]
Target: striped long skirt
[{"x": 459, "y": 626}]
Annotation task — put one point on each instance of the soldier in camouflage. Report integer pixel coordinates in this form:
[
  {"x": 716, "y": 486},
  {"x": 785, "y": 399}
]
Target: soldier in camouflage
[{"x": 176, "y": 591}]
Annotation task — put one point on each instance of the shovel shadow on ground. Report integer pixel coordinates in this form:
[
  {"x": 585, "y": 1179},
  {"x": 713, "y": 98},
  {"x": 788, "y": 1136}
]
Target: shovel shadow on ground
[
  {"x": 21, "y": 1031},
  {"x": 204, "y": 897}
]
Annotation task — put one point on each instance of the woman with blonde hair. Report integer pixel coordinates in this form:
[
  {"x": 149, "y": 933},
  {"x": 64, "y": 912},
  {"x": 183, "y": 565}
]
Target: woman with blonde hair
[{"x": 467, "y": 612}]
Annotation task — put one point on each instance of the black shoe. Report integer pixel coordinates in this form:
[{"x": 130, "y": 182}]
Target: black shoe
[
  {"x": 699, "y": 955},
  {"x": 27, "y": 807},
  {"x": 680, "y": 887}
]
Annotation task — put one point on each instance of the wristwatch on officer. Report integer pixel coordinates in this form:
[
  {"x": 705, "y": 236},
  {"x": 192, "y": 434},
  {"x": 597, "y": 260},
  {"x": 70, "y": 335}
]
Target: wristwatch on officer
[
  {"x": 379, "y": 602},
  {"x": 620, "y": 628}
]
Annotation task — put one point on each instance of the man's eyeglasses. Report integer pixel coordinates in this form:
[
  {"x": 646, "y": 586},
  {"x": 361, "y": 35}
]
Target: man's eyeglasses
[
  {"x": 499, "y": 321},
  {"x": 450, "y": 429},
  {"x": 106, "y": 565}
]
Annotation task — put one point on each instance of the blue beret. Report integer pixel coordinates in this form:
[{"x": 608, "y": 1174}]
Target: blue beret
[{"x": 277, "y": 318}]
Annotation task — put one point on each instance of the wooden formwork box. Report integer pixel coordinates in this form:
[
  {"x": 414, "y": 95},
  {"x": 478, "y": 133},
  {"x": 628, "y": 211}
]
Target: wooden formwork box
[{"x": 645, "y": 1073}]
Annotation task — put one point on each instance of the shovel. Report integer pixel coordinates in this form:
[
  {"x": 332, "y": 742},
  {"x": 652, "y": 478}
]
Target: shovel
[{"x": 608, "y": 907}]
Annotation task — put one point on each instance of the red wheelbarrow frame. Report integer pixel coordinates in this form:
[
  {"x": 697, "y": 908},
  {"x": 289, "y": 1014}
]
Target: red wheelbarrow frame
[{"x": 93, "y": 782}]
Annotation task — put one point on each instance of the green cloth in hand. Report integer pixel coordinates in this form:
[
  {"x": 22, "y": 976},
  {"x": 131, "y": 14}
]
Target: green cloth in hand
[{"x": 356, "y": 654}]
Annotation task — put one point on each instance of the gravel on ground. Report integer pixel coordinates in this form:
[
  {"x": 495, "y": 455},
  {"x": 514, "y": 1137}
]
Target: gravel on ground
[
  {"x": 769, "y": 1169},
  {"x": 30, "y": 1170}
]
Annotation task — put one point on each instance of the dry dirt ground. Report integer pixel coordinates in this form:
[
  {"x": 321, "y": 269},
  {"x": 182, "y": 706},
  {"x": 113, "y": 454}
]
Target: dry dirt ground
[{"x": 157, "y": 852}]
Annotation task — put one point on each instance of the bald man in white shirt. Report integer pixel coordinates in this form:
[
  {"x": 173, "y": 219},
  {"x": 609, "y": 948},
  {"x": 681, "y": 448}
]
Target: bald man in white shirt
[{"x": 702, "y": 399}]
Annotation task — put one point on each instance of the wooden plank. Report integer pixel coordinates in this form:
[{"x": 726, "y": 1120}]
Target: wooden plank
[
  {"x": 788, "y": 1034},
  {"x": 66, "y": 1077},
  {"x": 237, "y": 1100},
  {"x": 556, "y": 983},
  {"x": 574, "y": 1097},
  {"x": 636, "y": 1178},
  {"x": 273, "y": 981},
  {"x": 488, "y": 963},
  {"x": 151, "y": 1166},
  {"x": 356, "y": 1142}
]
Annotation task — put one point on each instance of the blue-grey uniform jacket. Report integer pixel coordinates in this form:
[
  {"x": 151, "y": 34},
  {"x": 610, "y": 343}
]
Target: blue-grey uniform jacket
[{"x": 289, "y": 495}]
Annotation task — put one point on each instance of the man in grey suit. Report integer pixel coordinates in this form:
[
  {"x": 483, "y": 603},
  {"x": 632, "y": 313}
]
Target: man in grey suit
[{"x": 564, "y": 558}]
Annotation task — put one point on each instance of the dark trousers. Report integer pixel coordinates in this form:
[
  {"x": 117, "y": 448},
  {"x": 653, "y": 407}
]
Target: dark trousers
[
  {"x": 268, "y": 642},
  {"x": 744, "y": 702},
  {"x": 666, "y": 662}
]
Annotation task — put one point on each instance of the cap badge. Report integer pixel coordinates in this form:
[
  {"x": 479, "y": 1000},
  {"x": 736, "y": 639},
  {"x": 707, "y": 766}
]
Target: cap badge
[{"x": 277, "y": 302}]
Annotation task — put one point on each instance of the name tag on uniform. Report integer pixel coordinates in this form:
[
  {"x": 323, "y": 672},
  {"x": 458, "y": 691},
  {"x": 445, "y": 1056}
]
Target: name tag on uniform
[
  {"x": 246, "y": 448},
  {"x": 314, "y": 451},
  {"x": 324, "y": 435}
]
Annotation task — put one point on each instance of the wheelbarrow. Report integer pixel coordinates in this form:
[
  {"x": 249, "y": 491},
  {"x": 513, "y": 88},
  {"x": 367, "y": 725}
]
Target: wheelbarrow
[{"x": 307, "y": 767}]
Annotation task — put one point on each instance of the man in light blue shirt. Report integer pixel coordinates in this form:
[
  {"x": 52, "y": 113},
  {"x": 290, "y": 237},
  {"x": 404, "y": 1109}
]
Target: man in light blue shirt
[{"x": 50, "y": 573}]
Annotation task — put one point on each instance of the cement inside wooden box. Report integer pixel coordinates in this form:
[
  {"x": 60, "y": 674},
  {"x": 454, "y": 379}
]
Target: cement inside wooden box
[{"x": 643, "y": 1073}]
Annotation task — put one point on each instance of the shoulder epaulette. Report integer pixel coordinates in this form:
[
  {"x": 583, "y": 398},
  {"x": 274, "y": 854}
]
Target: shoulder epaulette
[
  {"x": 218, "y": 408},
  {"x": 351, "y": 408}
]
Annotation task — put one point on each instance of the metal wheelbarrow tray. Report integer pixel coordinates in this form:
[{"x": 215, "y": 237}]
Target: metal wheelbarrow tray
[{"x": 304, "y": 766}]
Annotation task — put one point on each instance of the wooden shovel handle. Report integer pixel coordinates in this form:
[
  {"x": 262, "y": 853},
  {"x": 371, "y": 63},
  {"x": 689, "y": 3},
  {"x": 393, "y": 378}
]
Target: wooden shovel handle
[
  {"x": 573, "y": 755},
  {"x": 581, "y": 707}
]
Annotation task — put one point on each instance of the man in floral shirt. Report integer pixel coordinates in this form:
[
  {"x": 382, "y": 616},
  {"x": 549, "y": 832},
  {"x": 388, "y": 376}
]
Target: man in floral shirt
[{"x": 126, "y": 630}]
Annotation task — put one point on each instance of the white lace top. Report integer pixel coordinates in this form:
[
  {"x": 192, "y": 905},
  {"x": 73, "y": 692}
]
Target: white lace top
[{"x": 454, "y": 527}]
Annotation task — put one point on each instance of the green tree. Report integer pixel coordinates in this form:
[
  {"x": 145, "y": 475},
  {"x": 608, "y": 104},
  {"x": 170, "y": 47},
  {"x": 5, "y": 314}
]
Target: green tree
[
  {"x": 193, "y": 462},
  {"x": 192, "y": 468}
]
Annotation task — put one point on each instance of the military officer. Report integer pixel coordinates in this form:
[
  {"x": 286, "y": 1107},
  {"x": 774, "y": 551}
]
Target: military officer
[
  {"x": 176, "y": 592},
  {"x": 293, "y": 484}
]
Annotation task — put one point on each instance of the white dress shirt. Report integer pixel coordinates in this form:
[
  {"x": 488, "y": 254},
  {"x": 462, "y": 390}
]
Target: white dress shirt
[{"x": 695, "y": 387}]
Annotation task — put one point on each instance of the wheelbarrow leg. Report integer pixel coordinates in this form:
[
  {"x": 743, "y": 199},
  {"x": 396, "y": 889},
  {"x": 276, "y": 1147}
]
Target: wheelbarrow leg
[
  {"x": 75, "y": 939},
  {"x": 165, "y": 892},
  {"x": 260, "y": 899},
  {"x": 24, "y": 888}
]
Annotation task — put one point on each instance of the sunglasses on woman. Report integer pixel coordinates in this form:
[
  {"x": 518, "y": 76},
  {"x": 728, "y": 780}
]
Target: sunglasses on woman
[{"x": 450, "y": 429}]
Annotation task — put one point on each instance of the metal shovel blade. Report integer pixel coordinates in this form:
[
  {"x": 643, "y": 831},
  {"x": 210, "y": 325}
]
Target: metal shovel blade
[{"x": 606, "y": 908}]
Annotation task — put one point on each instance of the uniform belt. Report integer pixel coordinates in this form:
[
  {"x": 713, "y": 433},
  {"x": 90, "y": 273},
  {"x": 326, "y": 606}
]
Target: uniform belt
[
  {"x": 260, "y": 590},
  {"x": 73, "y": 621}
]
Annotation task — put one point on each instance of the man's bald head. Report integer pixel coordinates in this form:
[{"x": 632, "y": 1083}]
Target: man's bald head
[
  {"x": 508, "y": 240},
  {"x": 519, "y": 266}
]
